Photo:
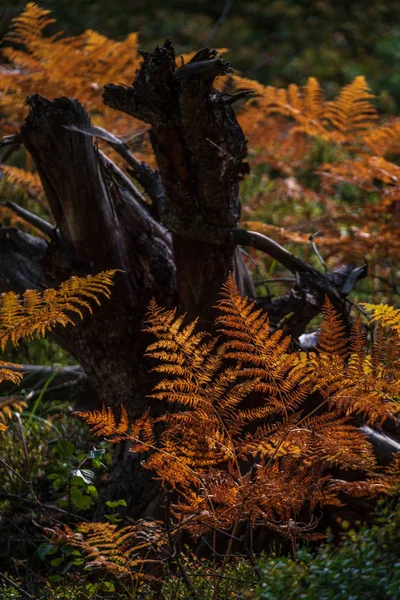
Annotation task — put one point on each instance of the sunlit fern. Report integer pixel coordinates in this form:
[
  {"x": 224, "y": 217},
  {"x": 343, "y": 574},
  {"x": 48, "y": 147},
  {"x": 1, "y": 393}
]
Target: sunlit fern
[
  {"x": 125, "y": 552},
  {"x": 35, "y": 312},
  {"x": 288, "y": 448}
]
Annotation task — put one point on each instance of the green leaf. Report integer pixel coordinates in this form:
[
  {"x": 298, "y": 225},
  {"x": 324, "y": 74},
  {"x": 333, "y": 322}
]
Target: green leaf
[
  {"x": 65, "y": 449},
  {"x": 96, "y": 453},
  {"x": 79, "y": 500},
  {"x": 44, "y": 549},
  {"x": 115, "y": 503},
  {"x": 55, "y": 578},
  {"x": 108, "y": 586},
  {"x": 77, "y": 481},
  {"x": 86, "y": 474},
  {"x": 92, "y": 491},
  {"x": 113, "y": 518},
  {"x": 57, "y": 561}
]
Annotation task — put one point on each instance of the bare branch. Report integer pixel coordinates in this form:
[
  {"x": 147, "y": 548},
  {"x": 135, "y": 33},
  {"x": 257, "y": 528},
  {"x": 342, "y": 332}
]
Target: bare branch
[
  {"x": 273, "y": 249},
  {"x": 317, "y": 252},
  {"x": 38, "y": 222}
]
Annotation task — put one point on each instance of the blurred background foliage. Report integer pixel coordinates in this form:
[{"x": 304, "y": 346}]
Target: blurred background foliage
[{"x": 277, "y": 42}]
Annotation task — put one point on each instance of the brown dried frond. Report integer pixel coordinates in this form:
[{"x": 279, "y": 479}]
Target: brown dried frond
[
  {"x": 125, "y": 552},
  {"x": 331, "y": 337},
  {"x": 36, "y": 312},
  {"x": 352, "y": 380},
  {"x": 382, "y": 140},
  {"x": 386, "y": 482},
  {"x": 56, "y": 65},
  {"x": 339, "y": 120}
]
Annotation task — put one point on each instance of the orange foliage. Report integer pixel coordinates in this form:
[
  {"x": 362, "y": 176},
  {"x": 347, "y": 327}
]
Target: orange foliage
[
  {"x": 265, "y": 463},
  {"x": 283, "y": 127}
]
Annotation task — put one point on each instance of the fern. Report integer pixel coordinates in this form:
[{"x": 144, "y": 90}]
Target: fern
[
  {"x": 266, "y": 462},
  {"x": 10, "y": 404},
  {"x": 387, "y": 315},
  {"x": 125, "y": 552},
  {"x": 36, "y": 312},
  {"x": 23, "y": 179},
  {"x": 58, "y": 65},
  {"x": 352, "y": 110}
]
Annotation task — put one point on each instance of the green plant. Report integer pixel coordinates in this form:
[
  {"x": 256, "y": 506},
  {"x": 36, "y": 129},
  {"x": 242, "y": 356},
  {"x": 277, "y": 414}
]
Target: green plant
[
  {"x": 365, "y": 566},
  {"x": 71, "y": 479}
]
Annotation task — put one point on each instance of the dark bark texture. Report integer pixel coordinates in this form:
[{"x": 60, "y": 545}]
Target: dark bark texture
[{"x": 177, "y": 243}]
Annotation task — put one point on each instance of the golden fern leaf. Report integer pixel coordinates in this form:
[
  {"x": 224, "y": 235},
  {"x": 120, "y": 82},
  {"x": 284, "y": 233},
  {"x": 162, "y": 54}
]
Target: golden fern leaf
[
  {"x": 26, "y": 180},
  {"x": 352, "y": 111},
  {"x": 28, "y": 26},
  {"x": 263, "y": 354},
  {"x": 103, "y": 423},
  {"x": 121, "y": 551},
  {"x": 386, "y": 482},
  {"x": 36, "y": 312},
  {"x": 57, "y": 65},
  {"x": 8, "y": 372},
  {"x": 10, "y": 404},
  {"x": 288, "y": 447},
  {"x": 384, "y": 139},
  {"x": 331, "y": 337},
  {"x": 387, "y": 315},
  {"x": 329, "y": 363},
  {"x": 353, "y": 381}
]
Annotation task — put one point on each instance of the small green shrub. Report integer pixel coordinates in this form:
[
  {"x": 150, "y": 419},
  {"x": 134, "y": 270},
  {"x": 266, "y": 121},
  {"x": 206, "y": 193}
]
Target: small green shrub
[{"x": 365, "y": 567}]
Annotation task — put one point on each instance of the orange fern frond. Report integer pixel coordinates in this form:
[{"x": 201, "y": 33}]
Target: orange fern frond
[
  {"x": 352, "y": 110},
  {"x": 36, "y": 312},
  {"x": 8, "y": 372},
  {"x": 125, "y": 552},
  {"x": 103, "y": 423},
  {"x": 241, "y": 442},
  {"x": 10, "y": 404},
  {"x": 331, "y": 337},
  {"x": 26, "y": 180},
  {"x": 387, "y": 315}
]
